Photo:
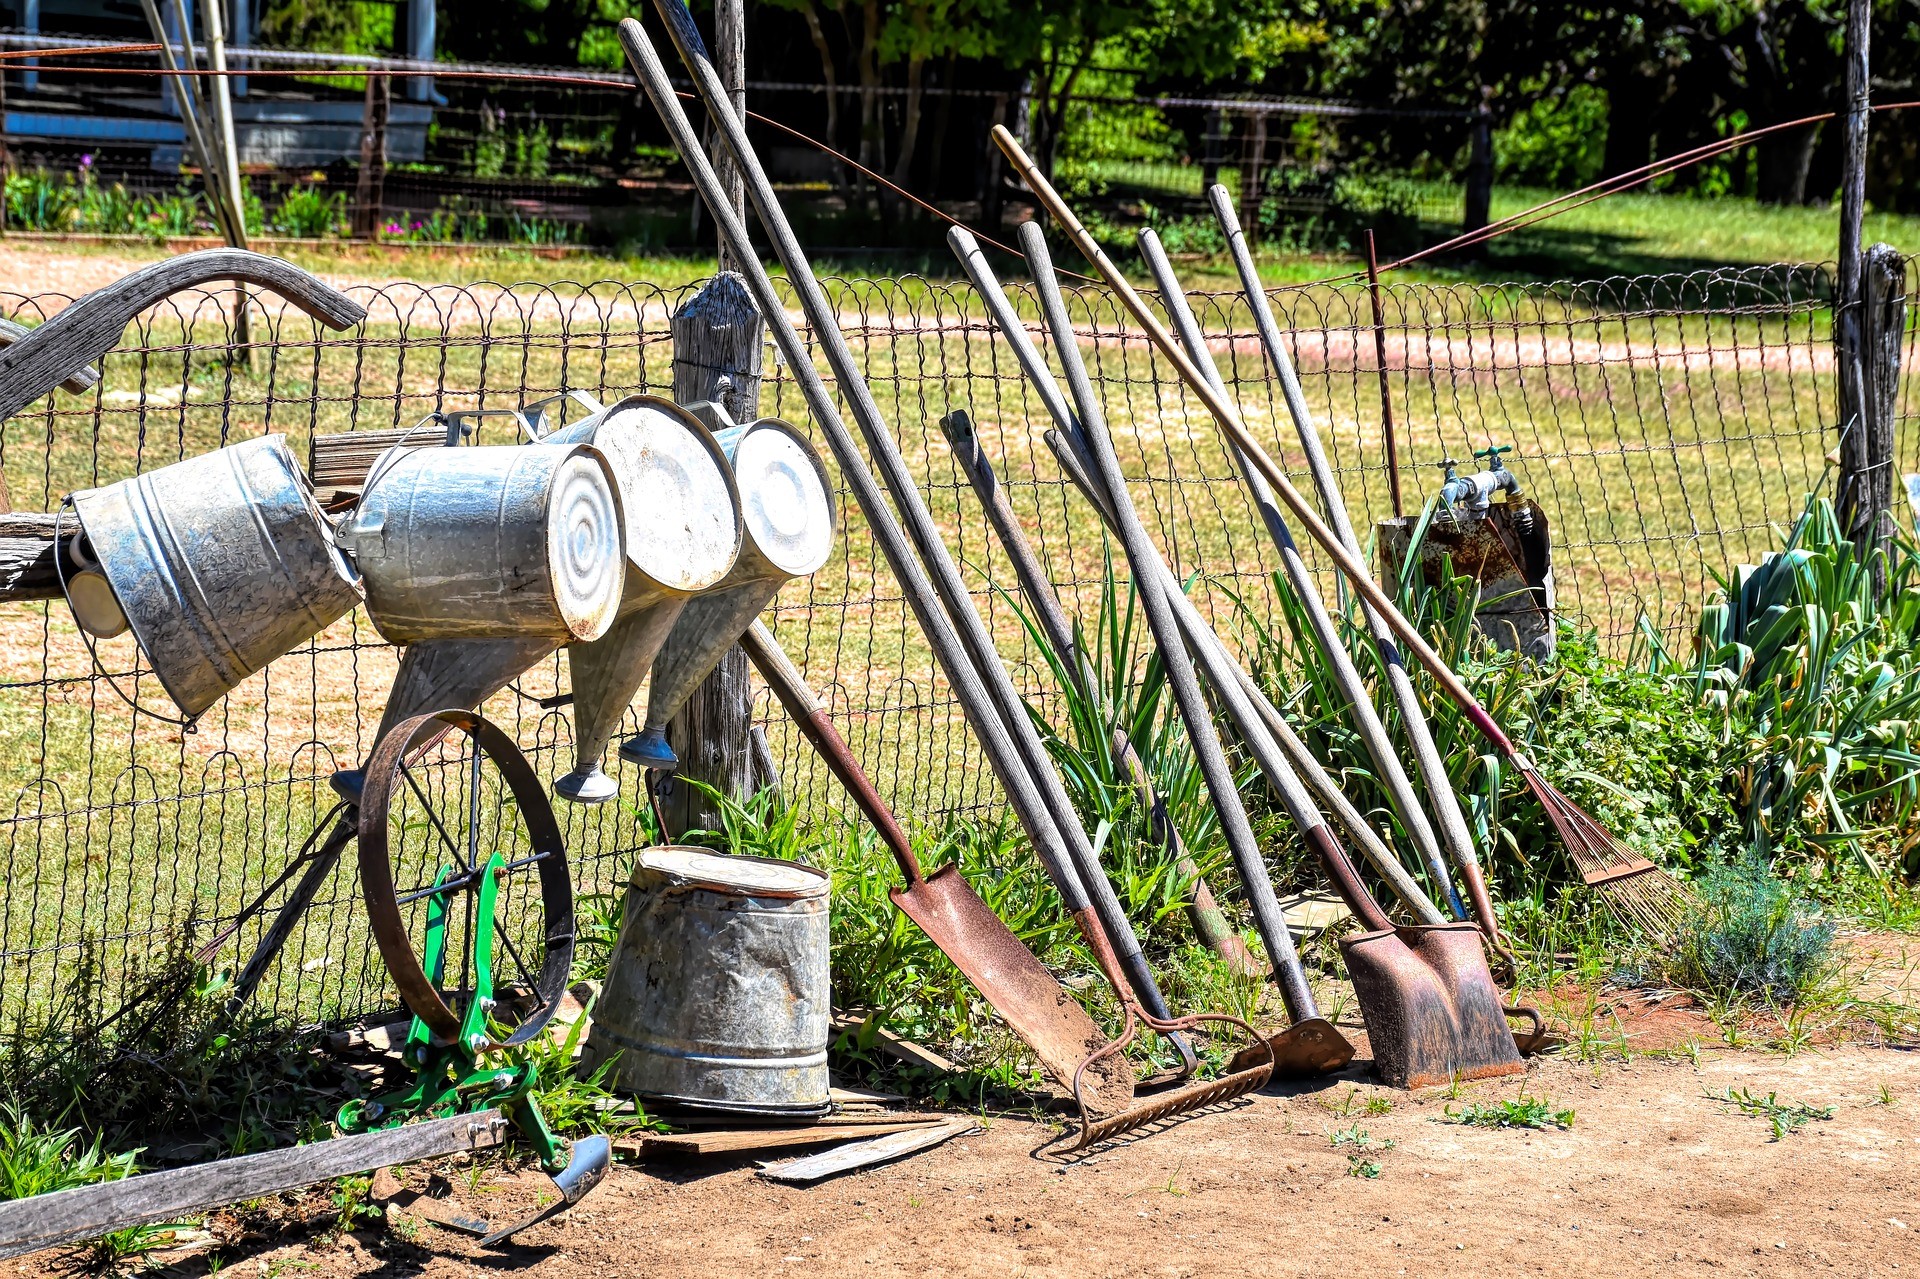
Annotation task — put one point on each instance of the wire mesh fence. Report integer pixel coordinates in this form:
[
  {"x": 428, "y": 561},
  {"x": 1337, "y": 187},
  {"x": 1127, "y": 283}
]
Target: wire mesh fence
[{"x": 1663, "y": 423}]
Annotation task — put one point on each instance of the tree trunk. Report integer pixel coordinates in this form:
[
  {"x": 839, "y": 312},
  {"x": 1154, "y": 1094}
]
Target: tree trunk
[
  {"x": 942, "y": 123},
  {"x": 717, "y": 345},
  {"x": 910, "y": 130},
  {"x": 831, "y": 78},
  {"x": 1630, "y": 112},
  {"x": 1785, "y": 159},
  {"x": 872, "y": 143}
]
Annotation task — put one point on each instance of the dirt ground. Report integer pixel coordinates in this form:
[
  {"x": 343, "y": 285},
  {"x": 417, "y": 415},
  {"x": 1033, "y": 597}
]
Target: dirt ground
[{"x": 1653, "y": 1177}]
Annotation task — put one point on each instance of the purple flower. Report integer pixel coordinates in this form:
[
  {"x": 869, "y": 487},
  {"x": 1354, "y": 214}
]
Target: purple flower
[{"x": 86, "y": 161}]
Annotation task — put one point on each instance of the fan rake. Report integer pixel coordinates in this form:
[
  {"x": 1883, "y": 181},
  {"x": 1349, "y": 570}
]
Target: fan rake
[{"x": 1634, "y": 888}]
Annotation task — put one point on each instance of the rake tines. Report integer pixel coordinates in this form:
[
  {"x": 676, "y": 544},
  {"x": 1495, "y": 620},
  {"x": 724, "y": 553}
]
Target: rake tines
[{"x": 1638, "y": 892}]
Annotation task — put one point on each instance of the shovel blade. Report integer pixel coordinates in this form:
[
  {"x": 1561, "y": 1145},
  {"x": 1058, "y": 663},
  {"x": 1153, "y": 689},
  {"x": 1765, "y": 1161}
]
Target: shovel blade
[
  {"x": 586, "y": 1168},
  {"x": 1018, "y": 986},
  {"x": 1308, "y": 1047},
  {"x": 1432, "y": 1011}
]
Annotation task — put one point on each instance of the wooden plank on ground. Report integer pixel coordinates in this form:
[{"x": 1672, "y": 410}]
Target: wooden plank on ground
[
  {"x": 868, "y": 1116},
  {"x": 864, "y": 1154},
  {"x": 743, "y": 1140},
  {"x": 28, "y": 1225},
  {"x": 901, "y": 1050}
]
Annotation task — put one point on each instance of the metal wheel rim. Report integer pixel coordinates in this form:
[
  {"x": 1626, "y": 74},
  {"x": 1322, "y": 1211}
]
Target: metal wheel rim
[{"x": 383, "y": 776}]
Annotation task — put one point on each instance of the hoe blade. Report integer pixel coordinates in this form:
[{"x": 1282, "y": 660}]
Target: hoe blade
[
  {"x": 1432, "y": 1011},
  {"x": 1308, "y": 1047},
  {"x": 1018, "y": 986}
]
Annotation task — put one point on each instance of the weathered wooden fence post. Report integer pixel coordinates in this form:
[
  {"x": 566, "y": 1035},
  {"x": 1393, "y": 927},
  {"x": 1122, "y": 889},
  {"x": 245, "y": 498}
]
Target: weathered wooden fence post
[
  {"x": 717, "y": 343},
  {"x": 1867, "y": 342},
  {"x": 370, "y": 192},
  {"x": 1869, "y": 302}
]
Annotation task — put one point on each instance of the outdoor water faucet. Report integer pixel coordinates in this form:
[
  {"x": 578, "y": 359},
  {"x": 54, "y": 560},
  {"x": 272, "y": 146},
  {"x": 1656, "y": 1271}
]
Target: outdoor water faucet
[{"x": 1471, "y": 495}]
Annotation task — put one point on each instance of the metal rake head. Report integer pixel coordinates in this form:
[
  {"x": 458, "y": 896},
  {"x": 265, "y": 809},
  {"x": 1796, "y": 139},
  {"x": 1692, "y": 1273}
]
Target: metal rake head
[
  {"x": 1175, "y": 1101},
  {"x": 1638, "y": 892}
]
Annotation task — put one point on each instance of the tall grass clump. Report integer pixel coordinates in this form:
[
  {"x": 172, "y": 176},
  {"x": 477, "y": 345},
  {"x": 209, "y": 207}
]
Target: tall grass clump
[{"x": 38, "y": 1158}]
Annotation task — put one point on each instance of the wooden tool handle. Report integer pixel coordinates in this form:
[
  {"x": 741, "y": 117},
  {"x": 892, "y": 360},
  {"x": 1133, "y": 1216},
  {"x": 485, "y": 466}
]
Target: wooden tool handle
[{"x": 811, "y": 718}]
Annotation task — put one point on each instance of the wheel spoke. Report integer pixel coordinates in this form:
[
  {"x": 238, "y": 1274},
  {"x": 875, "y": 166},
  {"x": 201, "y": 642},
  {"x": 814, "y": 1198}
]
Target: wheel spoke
[
  {"x": 459, "y": 883},
  {"x": 500, "y": 931},
  {"x": 427, "y": 805}
]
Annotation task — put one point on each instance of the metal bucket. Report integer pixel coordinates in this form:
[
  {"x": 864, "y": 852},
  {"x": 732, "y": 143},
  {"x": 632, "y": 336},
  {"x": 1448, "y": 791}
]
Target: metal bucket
[
  {"x": 220, "y": 563},
  {"x": 718, "y": 992},
  {"x": 496, "y": 542},
  {"x": 786, "y": 505},
  {"x": 682, "y": 537}
]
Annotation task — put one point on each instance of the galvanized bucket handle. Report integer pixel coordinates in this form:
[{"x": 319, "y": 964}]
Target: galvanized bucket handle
[
  {"x": 188, "y": 724},
  {"x": 534, "y": 412}
]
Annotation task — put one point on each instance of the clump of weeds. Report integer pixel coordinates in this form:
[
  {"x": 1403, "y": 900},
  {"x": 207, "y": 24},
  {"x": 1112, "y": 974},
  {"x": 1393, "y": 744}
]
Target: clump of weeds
[
  {"x": 1524, "y": 1111},
  {"x": 1786, "y": 1117}
]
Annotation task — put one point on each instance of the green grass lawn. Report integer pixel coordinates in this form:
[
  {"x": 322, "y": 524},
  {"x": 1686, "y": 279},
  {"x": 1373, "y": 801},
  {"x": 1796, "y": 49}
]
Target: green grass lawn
[{"x": 1628, "y": 234}]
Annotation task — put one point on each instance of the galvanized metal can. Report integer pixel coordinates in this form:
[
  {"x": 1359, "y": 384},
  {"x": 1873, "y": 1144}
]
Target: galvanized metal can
[
  {"x": 676, "y": 490},
  {"x": 786, "y": 505},
  {"x": 683, "y": 535},
  {"x": 489, "y": 542},
  {"x": 718, "y": 994},
  {"x": 220, "y": 563}
]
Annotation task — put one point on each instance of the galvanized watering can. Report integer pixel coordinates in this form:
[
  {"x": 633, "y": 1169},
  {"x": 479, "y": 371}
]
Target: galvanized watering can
[
  {"x": 786, "y": 501},
  {"x": 683, "y": 536},
  {"x": 489, "y": 542},
  {"x": 218, "y": 564}
]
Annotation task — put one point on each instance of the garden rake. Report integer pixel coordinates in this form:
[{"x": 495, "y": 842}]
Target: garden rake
[
  {"x": 1632, "y": 886},
  {"x": 1587, "y": 841}
]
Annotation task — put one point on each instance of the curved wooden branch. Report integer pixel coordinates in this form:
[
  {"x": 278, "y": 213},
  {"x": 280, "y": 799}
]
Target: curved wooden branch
[{"x": 87, "y": 330}]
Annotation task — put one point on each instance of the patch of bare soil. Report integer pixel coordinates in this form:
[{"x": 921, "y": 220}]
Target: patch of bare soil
[{"x": 1655, "y": 1176}]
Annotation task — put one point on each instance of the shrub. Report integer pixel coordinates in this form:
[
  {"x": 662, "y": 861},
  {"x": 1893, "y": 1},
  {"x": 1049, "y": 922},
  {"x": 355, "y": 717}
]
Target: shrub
[
  {"x": 1755, "y": 934},
  {"x": 311, "y": 213}
]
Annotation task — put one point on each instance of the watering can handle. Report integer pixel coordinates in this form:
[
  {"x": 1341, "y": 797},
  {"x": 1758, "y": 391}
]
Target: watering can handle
[{"x": 88, "y": 329}]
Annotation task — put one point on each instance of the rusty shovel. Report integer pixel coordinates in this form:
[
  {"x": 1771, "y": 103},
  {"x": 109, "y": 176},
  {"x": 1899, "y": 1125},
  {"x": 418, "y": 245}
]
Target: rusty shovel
[
  {"x": 951, "y": 913},
  {"x": 1425, "y": 993}
]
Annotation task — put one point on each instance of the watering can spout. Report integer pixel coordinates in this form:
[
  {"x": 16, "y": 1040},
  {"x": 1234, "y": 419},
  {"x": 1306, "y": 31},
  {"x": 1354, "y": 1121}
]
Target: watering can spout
[
  {"x": 650, "y": 750},
  {"x": 787, "y": 516}
]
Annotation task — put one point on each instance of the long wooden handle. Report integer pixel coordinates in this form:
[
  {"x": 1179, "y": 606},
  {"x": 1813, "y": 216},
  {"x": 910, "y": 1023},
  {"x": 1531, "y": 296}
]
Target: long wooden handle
[
  {"x": 1236, "y": 432},
  {"x": 810, "y": 717}
]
